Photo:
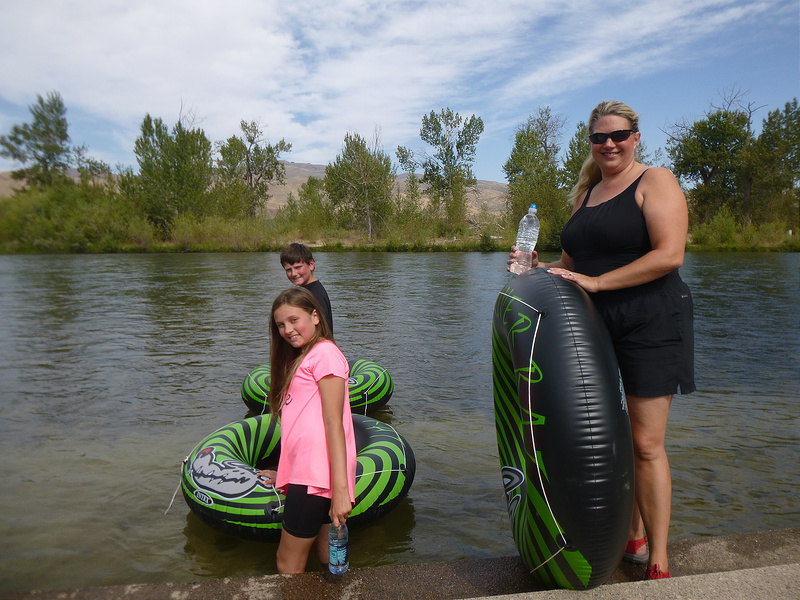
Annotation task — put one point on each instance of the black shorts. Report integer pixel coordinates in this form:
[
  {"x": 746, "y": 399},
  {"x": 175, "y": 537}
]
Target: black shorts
[
  {"x": 652, "y": 330},
  {"x": 304, "y": 514}
]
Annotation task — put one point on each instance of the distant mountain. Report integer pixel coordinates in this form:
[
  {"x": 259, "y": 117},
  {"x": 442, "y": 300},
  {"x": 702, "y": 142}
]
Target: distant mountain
[
  {"x": 8, "y": 185},
  {"x": 490, "y": 192}
]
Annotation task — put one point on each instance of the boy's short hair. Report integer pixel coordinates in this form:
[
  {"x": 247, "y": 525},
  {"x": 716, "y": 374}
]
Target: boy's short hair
[{"x": 294, "y": 253}]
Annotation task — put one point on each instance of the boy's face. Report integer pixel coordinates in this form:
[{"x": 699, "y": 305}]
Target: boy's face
[{"x": 300, "y": 273}]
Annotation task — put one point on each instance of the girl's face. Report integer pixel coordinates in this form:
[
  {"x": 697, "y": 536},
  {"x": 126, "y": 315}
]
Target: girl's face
[{"x": 296, "y": 325}]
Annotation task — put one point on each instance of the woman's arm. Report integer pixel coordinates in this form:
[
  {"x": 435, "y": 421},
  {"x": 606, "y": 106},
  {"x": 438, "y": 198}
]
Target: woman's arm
[{"x": 332, "y": 391}]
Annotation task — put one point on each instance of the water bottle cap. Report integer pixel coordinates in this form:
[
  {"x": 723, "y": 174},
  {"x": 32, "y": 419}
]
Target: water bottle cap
[{"x": 533, "y": 207}]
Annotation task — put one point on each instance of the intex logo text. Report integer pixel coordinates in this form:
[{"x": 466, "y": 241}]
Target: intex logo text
[{"x": 203, "y": 498}]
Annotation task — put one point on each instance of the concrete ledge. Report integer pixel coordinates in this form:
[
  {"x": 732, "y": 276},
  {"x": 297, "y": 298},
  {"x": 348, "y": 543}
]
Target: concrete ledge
[
  {"x": 765, "y": 583},
  {"x": 756, "y": 565}
]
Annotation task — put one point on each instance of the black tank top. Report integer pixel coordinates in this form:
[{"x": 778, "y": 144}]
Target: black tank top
[{"x": 607, "y": 236}]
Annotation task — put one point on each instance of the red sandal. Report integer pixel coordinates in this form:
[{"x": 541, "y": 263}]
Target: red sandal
[
  {"x": 655, "y": 572},
  {"x": 632, "y": 552}
]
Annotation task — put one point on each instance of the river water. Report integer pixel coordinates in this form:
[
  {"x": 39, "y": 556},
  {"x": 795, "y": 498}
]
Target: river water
[{"x": 113, "y": 367}]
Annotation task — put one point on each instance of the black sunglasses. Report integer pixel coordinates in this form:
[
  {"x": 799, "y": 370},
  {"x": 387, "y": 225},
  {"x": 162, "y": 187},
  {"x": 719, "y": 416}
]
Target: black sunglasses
[{"x": 617, "y": 136}]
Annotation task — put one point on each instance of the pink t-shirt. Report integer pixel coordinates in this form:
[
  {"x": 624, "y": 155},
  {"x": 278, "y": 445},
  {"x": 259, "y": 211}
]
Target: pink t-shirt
[{"x": 304, "y": 447}]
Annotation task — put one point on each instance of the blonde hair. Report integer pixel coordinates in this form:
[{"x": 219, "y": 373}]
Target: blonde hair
[
  {"x": 590, "y": 171},
  {"x": 285, "y": 358}
]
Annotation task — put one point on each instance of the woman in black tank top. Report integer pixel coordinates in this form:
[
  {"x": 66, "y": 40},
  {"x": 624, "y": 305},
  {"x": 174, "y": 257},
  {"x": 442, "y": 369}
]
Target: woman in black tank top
[{"x": 624, "y": 244}]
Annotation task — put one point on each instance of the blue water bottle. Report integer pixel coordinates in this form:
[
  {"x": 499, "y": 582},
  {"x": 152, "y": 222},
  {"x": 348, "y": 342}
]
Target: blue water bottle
[{"x": 338, "y": 555}]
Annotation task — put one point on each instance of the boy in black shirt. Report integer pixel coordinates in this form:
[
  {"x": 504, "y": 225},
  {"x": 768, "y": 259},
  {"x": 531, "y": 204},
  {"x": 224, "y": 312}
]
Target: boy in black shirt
[{"x": 298, "y": 262}]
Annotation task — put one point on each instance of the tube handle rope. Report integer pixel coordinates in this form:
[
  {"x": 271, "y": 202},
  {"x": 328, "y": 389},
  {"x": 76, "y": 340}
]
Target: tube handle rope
[{"x": 183, "y": 464}]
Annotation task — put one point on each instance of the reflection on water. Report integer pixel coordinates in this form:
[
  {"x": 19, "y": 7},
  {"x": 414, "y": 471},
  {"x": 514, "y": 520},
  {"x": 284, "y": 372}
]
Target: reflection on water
[{"x": 113, "y": 367}]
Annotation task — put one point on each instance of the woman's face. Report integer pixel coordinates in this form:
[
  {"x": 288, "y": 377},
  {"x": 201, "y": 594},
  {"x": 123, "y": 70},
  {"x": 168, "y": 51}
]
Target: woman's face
[{"x": 611, "y": 156}]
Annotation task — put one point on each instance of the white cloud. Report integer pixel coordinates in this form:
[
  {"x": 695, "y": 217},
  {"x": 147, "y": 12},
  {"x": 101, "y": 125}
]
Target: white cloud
[{"x": 313, "y": 70}]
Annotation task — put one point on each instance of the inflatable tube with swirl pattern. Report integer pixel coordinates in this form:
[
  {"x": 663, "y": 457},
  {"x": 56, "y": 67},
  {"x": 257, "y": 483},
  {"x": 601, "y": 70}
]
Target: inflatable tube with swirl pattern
[
  {"x": 370, "y": 387},
  {"x": 563, "y": 432},
  {"x": 220, "y": 480}
]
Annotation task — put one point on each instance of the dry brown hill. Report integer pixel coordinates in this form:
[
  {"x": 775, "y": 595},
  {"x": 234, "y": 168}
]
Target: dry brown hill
[
  {"x": 8, "y": 185},
  {"x": 490, "y": 192}
]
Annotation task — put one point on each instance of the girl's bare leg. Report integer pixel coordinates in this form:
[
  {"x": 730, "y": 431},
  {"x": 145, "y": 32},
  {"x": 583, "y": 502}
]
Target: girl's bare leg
[{"x": 293, "y": 553}]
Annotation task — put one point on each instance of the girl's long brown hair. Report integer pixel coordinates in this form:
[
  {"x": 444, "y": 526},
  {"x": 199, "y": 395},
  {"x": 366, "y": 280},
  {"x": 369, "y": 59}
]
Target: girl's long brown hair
[{"x": 284, "y": 358}]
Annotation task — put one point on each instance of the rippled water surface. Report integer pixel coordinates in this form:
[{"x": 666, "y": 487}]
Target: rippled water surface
[{"x": 113, "y": 367}]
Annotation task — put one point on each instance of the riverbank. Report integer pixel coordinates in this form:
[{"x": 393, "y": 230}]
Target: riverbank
[{"x": 744, "y": 566}]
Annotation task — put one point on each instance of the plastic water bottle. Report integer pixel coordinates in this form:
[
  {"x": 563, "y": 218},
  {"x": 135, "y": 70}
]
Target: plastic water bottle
[
  {"x": 527, "y": 234},
  {"x": 338, "y": 555}
]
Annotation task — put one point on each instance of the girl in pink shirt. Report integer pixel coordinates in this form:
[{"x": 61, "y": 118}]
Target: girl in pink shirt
[{"x": 317, "y": 467}]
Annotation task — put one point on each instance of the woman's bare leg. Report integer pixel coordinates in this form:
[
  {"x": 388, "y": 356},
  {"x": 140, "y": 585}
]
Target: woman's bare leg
[{"x": 653, "y": 481}]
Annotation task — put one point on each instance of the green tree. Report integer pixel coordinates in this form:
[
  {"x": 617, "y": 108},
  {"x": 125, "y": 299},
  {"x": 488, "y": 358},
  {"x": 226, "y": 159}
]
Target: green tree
[
  {"x": 42, "y": 145},
  {"x": 708, "y": 156},
  {"x": 409, "y": 219},
  {"x": 448, "y": 170},
  {"x": 725, "y": 165},
  {"x": 310, "y": 213},
  {"x": 578, "y": 150},
  {"x": 533, "y": 175},
  {"x": 359, "y": 183},
  {"x": 175, "y": 172},
  {"x": 776, "y": 167},
  {"x": 247, "y": 166},
  {"x": 91, "y": 170},
  {"x": 408, "y": 204},
  {"x": 532, "y": 168},
  {"x": 231, "y": 196},
  {"x": 643, "y": 155}
]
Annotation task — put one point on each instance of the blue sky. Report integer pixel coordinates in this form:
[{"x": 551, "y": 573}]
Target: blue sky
[{"x": 311, "y": 71}]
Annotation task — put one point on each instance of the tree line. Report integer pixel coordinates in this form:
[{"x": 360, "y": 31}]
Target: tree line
[{"x": 190, "y": 193}]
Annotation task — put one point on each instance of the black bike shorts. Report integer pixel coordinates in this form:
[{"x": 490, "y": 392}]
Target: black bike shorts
[{"x": 304, "y": 514}]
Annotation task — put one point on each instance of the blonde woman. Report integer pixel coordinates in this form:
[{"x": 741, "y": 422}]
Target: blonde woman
[{"x": 624, "y": 244}]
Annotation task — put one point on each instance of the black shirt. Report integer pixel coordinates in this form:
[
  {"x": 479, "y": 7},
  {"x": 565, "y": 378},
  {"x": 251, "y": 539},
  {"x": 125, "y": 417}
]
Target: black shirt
[{"x": 318, "y": 290}]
